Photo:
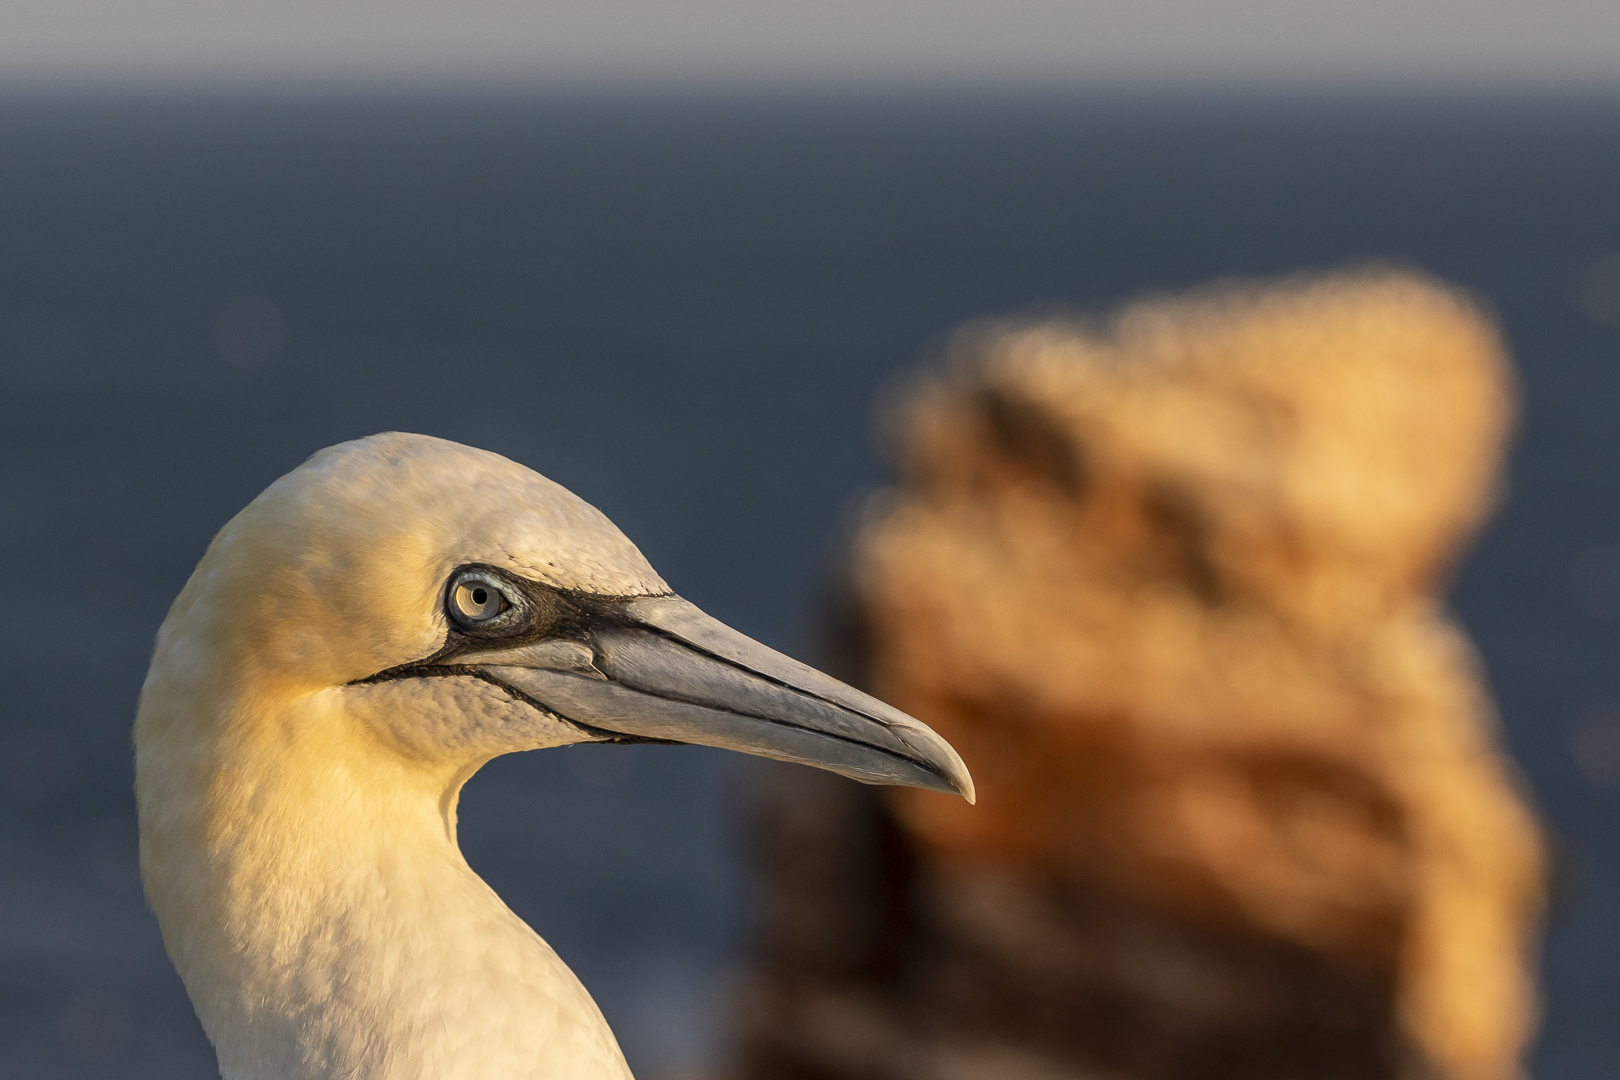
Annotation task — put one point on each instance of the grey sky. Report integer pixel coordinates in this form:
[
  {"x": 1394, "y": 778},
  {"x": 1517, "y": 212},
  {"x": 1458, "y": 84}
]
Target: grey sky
[{"x": 1557, "y": 42}]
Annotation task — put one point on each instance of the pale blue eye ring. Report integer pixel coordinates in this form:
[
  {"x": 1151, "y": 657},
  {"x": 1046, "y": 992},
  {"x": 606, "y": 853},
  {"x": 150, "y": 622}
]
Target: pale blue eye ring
[{"x": 480, "y": 601}]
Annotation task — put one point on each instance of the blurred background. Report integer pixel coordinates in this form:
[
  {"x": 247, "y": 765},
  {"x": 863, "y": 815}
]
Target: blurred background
[{"x": 671, "y": 255}]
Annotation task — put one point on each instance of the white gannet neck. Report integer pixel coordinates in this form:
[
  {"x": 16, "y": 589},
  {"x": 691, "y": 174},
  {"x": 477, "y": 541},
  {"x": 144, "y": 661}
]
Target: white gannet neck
[{"x": 313, "y": 898}]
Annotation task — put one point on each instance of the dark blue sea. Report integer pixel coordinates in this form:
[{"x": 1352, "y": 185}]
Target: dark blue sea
[{"x": 683, "y": 307}]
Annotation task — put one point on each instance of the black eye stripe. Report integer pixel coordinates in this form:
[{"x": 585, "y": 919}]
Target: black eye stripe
[
  {"x": 540, "y": 612},
  {"x": 531, "y": 611}
]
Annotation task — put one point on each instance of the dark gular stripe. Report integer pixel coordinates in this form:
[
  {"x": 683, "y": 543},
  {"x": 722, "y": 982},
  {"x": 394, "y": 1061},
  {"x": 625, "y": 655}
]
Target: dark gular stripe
[{"x": 472, "y": 671}]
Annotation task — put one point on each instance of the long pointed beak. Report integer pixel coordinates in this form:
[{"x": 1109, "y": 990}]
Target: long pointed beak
[{"x": 662, "y": 669}]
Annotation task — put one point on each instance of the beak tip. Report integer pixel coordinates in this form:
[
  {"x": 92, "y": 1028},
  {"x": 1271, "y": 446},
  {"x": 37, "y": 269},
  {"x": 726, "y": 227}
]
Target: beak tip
[
  {"x": 941, "y": 756},
  {"x": 963, "y": 783},
  {"x": 952, "y": 767}
]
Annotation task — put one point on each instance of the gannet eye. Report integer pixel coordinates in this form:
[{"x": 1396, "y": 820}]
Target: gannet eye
[{"x": 479, "y": 601}]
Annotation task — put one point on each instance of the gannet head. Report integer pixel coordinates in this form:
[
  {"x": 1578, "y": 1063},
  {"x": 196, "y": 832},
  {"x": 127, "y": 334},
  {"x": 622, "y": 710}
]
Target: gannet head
[
  {"x": 464, "y": 606},
  {"x": 352, "y": 647}
]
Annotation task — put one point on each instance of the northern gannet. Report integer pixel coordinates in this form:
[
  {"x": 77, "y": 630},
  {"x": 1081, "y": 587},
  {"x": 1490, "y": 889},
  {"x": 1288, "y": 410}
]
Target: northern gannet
[{"x": 353, "y": 646}]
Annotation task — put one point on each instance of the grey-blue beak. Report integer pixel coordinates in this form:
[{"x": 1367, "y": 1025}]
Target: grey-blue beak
[{"x": 662, "y": 669}]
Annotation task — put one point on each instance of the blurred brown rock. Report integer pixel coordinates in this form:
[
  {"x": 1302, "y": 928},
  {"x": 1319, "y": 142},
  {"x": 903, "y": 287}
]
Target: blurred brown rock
[{"x": 1171, "y": 584}]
